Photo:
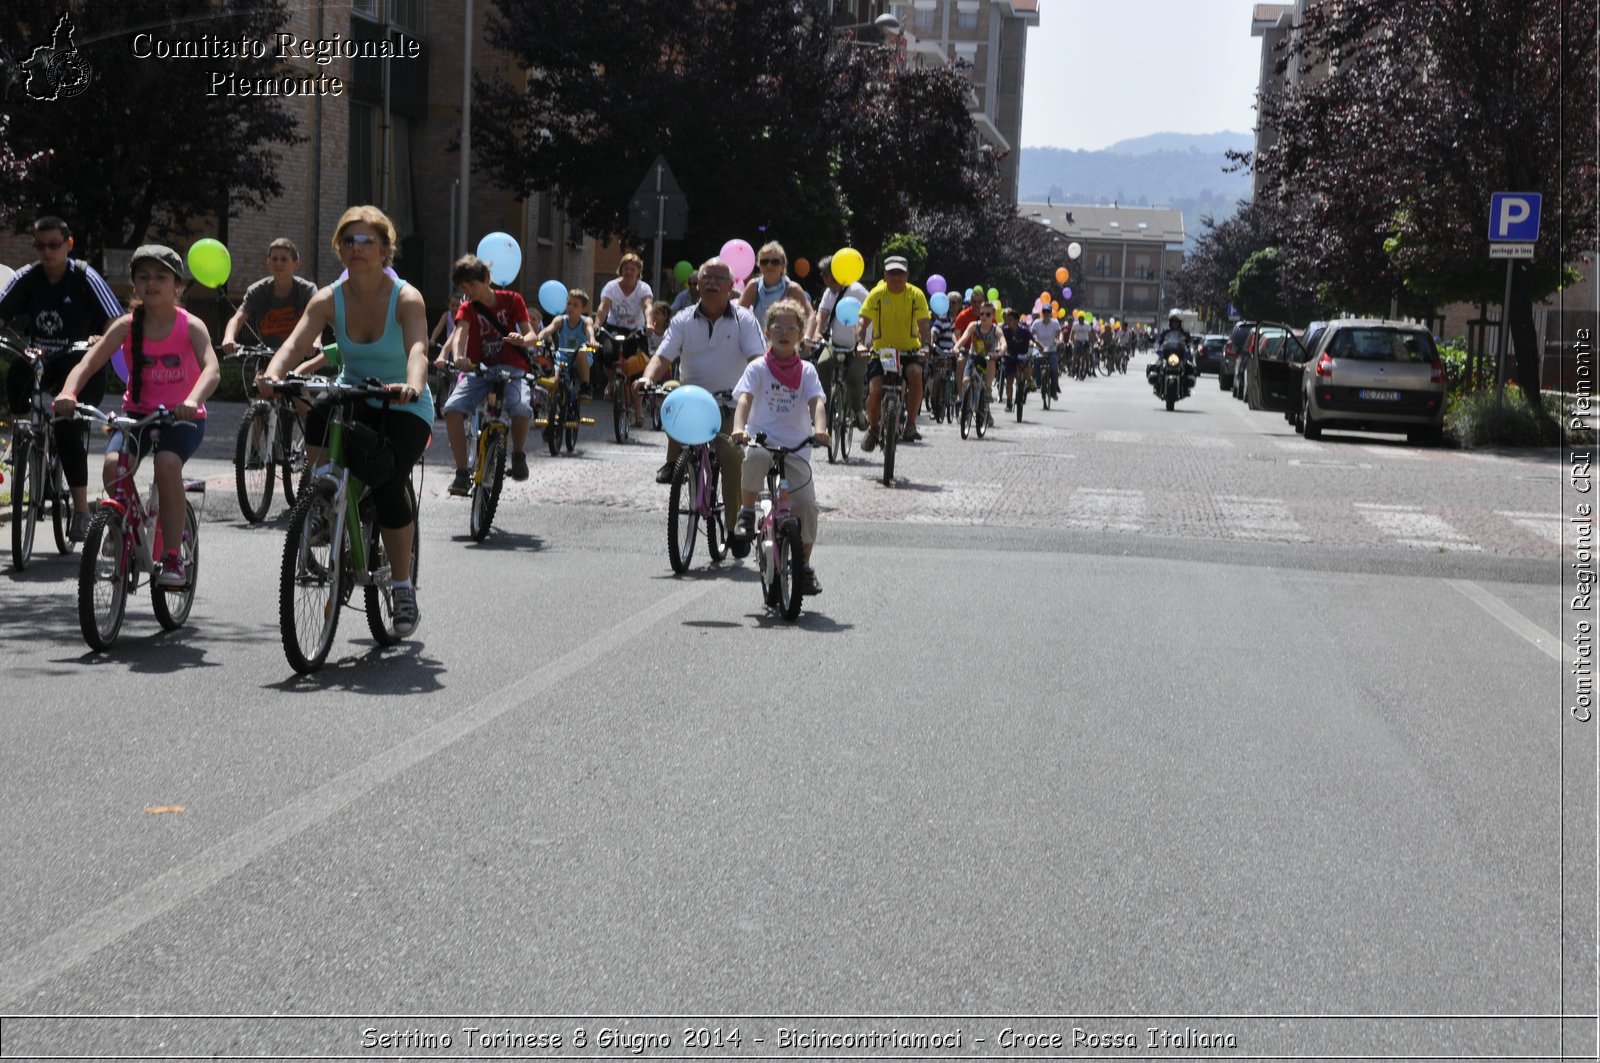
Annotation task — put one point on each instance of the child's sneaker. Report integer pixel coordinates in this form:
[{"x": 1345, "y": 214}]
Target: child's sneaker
[
  {"x": 519, "y": 466},
  {"x": 172, "y": 574},
  {"x": 461, "y": 486},
  {"x": 744, "y": 533},
  {"x": 806, "y": 580},
  {"x": 406, "y": 613}
]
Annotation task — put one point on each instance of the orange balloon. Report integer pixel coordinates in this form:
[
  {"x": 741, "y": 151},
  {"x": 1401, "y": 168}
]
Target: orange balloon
[
  {"x": 1061, "y": 274},
  {"x": 802, "y": 268},
  {"x": 1044, "y": 297}
]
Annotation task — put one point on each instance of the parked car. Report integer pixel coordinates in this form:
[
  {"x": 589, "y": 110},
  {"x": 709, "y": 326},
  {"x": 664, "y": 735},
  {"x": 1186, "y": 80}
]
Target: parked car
[
  {"x": 1211, "y": 359},
  {"x": 1371, "y": 375},
  {"x": 1266, "y": 383},
  {"x": 1231, "y": 376}
]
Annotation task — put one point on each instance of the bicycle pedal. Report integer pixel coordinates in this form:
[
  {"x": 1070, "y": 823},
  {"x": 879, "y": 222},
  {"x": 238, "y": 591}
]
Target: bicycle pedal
[
  {"x": 585, "y": 420},
  {"x": 542, "y": 422}
]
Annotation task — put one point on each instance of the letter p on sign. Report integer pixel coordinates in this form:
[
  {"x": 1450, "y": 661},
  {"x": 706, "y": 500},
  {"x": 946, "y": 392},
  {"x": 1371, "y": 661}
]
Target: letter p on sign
[{"x": 1514, "y": 216}]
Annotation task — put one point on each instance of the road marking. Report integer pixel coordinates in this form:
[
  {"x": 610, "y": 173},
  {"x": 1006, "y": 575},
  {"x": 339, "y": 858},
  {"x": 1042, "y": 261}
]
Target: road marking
[
  {"x": 1261, "y": 518},
  {"x": 1112, "y": 435},
  {"x": 1296, "y": 445},
  {"x": 1546, "y": 525},
  {"x": 1546, "y": 642},
  {"x": 1409, "y": 526},
  {"x": 1394, "y": 452},
  {"x": 66, "y": 948},
  {"x": 1209, "y": 442},
  {"x": 1106, "y": 509}
]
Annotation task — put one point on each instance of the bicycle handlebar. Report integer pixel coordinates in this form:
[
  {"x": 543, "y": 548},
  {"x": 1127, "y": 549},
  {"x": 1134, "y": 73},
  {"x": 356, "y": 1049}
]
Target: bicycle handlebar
[
  {"x": 371, "y": 388},
  {"x": 760, "y": 440},
  {"x": 159, "y": 416}
]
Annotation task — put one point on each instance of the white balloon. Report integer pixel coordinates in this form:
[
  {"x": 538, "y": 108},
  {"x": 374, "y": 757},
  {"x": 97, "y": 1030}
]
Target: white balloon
[
  {"x": 1074, "y": 249},
  {"x": 6, "y": 273}
]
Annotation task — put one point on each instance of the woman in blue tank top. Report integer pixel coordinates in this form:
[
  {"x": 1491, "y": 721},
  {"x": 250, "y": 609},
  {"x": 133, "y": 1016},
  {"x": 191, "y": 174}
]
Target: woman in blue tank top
[
  {"x": 382, "y": 327},
  {"x": 771, "y": 283}
]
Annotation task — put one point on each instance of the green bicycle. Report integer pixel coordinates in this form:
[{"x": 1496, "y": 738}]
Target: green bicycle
[{"x": 333, "y": 544}]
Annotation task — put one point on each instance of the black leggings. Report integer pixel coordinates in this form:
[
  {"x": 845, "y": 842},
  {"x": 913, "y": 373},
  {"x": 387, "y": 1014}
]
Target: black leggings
[
  {"x": 71, "y": 436},
  {"x": 407, "y": 433}
]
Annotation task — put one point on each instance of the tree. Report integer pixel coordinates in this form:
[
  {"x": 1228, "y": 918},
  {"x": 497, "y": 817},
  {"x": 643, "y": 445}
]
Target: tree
[
  {"x": 727, "y": 92},
  {"x": 1385, "y": 165},
  {"x": 1259, "y": 291},
  {"x": 128, "y": 159},
  {"x": 1220, "y": 250}
]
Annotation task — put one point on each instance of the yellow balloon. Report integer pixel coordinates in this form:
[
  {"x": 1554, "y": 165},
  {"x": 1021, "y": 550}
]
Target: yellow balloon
[{"x": 848, "y": 265}]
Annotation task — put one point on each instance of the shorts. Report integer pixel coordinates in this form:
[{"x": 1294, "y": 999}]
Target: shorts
[
  {"x": 182, "y": 439},
  {"x": 472, "y": 389},
  {"x": 1013, "y": 362},
  {"x": 977, "y": 365},
  {"x": 907, "y": 360},
  {"x": 802, "y": 493}
]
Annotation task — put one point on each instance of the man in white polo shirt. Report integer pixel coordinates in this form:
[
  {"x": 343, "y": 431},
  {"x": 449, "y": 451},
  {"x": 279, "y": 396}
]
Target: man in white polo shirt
[{"x": 716, "y": 339}]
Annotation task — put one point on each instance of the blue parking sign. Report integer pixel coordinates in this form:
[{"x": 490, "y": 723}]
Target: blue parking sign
[{"x": 1514, "y": 217}]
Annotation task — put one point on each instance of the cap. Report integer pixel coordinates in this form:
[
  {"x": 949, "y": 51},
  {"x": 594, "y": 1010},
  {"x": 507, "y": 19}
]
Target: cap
[
  {"x": 895, "y": 262},
  {"x": 160, "y": 253}
]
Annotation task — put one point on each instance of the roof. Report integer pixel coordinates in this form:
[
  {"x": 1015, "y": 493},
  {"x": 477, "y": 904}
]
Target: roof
[
  {"x": 1269, "y": 16},
  {"x": 1162, "y": 225}
]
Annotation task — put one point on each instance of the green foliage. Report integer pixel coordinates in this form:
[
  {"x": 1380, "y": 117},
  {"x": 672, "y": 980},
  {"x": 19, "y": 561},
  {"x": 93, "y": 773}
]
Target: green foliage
[
  {"x": 1476, "y": 420},
  {"x": 908, "y": 245},
  {"x": 143, "y": 149},
  {"x": 1455, "y": 358}
]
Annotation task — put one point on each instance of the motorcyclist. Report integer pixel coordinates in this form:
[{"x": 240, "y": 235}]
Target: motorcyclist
[{"x": 1175, "y": 334}]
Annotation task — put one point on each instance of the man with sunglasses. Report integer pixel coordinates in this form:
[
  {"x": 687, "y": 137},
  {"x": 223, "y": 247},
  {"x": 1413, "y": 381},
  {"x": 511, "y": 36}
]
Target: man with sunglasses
[{"x": 62, "y": 300}]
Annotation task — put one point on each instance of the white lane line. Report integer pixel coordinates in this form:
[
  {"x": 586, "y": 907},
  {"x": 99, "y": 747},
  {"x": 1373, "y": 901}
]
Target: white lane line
[
  {"x": 1545, "y": 525},
  {"x": 1409, "y": 526},
  {"x": 1261, "y": 518},
  {"x": 1546, "y": 642},
  {"x": 1106, "y": 509},
  {"x": 1397, "y": 452},
  {"x": 1296, "y": 445},
  {"x": 23, "y": 971}
]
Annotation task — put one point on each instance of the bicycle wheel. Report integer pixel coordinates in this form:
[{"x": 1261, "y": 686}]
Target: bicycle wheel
[
  {"x": 379, "y": 594},
  {"x": 981, "y": 414},
  {"x": 24, "y": 501},
  {"x": 683, "y": 519},
  {"x": 791, "y": 555},
  {"x": 552, "y": 427},
  {"x": 292, "y": 448},
  {"x": 716, "y": 521},
  {"x": 891, "y": 437},
  {"x": 486, "y": 493},
  {"x": 652, "y": 403},
  {"x": 619, "y": 410},
  {"x": 172, "y": 606},
  {"x": 1107, "y": 365},
  {"x": 574, "y": 414},
  {"x": 60, "y": 506},
  {"x": 967, "y": 402},
  {"x": 1044, "y": 395},
  {"x": 1022, "y": 395},
  {"x": 253, "y": 473},
  {"x": 309, "y": 581},
  {"x": 836, "y": 414},
  {"x": 102, "y": 583}
]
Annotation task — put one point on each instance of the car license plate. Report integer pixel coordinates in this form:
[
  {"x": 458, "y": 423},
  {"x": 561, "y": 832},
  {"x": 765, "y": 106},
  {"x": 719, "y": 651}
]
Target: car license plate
[{"x": 1379, "y": 396}]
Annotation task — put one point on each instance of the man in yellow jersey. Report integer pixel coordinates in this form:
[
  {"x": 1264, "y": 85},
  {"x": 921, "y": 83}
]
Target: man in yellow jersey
[{"x": 895, "y": 316}]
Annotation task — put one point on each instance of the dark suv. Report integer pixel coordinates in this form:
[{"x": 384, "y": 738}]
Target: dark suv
[{"x": 1233, "y": 350}]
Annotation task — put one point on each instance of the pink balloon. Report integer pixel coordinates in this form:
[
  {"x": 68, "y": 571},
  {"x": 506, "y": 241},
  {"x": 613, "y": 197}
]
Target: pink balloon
[
  {"x": 937, "y": 284},
  {"x": 120, "y": 365},
  {"x": 740, "y": 257}
]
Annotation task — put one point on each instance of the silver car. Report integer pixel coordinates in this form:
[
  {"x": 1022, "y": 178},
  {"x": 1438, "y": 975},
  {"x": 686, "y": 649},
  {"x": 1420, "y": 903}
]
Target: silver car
[{"x": 1372, "y": 375}]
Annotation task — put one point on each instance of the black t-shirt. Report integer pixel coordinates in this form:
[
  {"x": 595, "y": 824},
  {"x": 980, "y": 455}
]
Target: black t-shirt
[
  {"x": 1018, "y": 340},
  {"x": 54, "y": 316},
  {"x": 272, "y": 318}
]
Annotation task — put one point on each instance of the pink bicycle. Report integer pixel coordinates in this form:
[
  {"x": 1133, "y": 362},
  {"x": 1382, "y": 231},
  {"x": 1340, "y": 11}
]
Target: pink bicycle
[
  {"x": 778, "y": 541},
  {"x": 124, "y": 544}
]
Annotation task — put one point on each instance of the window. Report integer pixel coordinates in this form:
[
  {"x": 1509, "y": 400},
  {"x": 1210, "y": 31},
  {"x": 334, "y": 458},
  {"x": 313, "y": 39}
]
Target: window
[
  {"x": 926, "y": 20},
  {"x": 966, "y": 52},
  {"x": 546, "y": 229},
  {"x": 967, "y": 14},
  {"x": 362, "y": 182},
  {"x": 369, "y": 8}
]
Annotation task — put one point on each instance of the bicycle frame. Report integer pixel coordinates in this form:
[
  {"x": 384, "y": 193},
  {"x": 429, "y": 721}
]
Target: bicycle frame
[{"x": 141, "y": 523}]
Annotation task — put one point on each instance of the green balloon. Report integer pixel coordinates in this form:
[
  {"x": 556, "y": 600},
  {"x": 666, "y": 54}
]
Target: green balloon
[
  {"x": 681, "y": 271},
  {"x": 994, "y": 294},
  {"x": 210, "y": 263}
]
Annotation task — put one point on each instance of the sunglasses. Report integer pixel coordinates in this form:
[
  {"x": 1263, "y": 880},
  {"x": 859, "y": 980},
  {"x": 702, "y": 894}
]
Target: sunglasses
[
  {"x": 171, "y": 361},
  {"x": 771, "y": 262},
  {"x": 54, "y": 245},
  {"x": 358, "y": 240},
  {"x": 783, "y": 326}
]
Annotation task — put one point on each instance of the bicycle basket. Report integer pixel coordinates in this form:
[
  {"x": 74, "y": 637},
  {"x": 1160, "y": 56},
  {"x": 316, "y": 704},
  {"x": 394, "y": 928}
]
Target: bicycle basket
[{"x": 368, "y": 454}]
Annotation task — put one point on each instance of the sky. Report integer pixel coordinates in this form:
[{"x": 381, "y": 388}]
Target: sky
[{"x": 1094, "y": 74}]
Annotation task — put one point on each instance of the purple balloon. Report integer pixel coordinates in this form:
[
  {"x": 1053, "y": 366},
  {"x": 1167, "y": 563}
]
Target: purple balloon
[
  {"x": 120, "y": 364},
  {"x": 937, "y": 284},
  {"x": 1066, "y": 293}
]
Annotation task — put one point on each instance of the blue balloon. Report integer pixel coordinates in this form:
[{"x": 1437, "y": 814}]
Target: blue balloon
[
  {"x": 939, "y": 303},
  {"x": 503, "y": 256},
  {"x": 691, "y": 415},
  {"x": 553, "y": 297},
  {"x": 848, "y": 311}
]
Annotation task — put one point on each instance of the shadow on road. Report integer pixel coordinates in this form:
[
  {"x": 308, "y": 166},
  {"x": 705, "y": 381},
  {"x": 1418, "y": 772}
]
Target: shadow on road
[
  {"x": 381, "y": 670},
  {"x": 503, "y": 541},
  {"x": 806, "y": 621}
]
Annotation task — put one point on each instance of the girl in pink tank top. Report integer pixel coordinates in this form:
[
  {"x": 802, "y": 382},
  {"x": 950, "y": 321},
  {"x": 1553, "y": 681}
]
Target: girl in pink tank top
[{"x": 168, "y": 361}]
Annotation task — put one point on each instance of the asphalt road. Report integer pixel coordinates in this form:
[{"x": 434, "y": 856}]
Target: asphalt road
[{"x": 1114, "y": 713}]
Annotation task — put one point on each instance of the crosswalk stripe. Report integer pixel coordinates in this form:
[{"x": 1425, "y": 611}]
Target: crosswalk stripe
[
  {"x": 1106, "y": 509},
  {"x": 1261, "y": 518},
  {"x": 1546, "y": 525},
  {"x": 1409, "y": 526}
]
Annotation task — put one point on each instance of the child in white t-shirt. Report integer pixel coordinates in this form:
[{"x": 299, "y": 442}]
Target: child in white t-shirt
[{"x": 781, "y": 396}]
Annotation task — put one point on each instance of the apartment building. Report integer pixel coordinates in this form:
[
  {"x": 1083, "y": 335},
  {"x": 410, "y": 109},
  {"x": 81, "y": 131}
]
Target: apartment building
[
  {"x": 990, "y": 39},
  {"x": 1127, "y": 255}
]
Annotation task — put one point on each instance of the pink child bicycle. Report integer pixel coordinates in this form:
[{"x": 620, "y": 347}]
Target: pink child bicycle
[
  {"x": 124, "y": 544},
  {"x": 778, "y": 540}
]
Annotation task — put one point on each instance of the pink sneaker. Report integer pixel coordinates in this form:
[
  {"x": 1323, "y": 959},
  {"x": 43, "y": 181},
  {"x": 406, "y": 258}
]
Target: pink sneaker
[{"x": 172, "y": 574}]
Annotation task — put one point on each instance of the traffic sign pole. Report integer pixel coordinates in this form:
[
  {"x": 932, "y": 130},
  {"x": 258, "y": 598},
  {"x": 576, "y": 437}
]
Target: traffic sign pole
[
  {"x": 1505, "y": 334},
  {"x": 1513, "y": 229},
  {"x": 661, "y": 227}
]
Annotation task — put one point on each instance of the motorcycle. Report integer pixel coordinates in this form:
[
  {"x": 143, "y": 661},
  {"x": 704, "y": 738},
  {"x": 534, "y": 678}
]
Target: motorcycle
[{"x": 1171, "y": 375}]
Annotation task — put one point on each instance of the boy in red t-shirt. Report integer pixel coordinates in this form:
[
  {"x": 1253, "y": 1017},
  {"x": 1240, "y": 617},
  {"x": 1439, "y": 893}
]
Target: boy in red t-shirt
[{"x": 492, "y": 327}]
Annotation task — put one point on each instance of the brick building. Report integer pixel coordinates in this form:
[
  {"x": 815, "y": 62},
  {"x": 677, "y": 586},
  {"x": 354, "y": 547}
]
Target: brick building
[{"x": 1128, "y": 255}]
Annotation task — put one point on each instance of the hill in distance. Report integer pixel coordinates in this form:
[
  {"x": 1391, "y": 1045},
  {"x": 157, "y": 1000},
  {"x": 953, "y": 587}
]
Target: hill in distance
[{"x": 1181, "y": 170}]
